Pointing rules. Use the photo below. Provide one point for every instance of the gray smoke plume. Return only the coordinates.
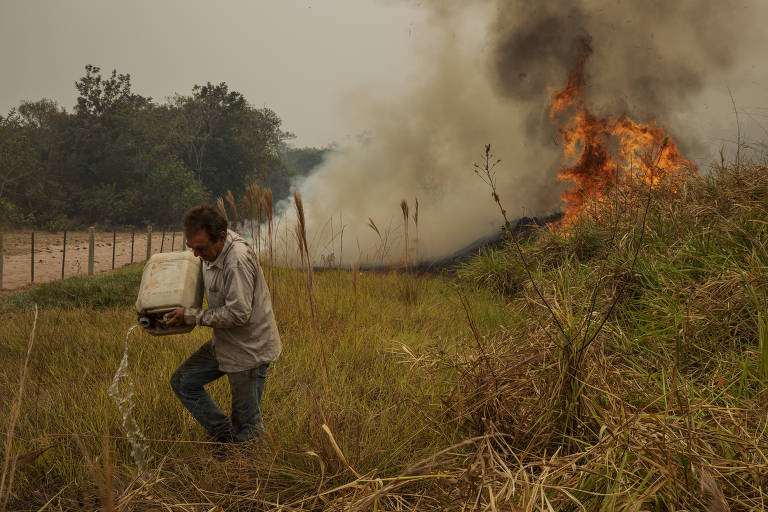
(649, 60)
(489, 71)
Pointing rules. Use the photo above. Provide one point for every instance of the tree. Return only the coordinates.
(119, 158)
(99, 96)
(169, 191)
(224, 140)
(19, 165)
(196, 120)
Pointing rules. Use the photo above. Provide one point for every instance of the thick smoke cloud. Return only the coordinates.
(650, 57)
(489, 71)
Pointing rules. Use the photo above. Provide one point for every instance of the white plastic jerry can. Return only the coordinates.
(170, 280)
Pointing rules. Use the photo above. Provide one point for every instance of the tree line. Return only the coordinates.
(122, 159)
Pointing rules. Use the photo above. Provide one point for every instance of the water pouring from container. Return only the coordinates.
(169, 281)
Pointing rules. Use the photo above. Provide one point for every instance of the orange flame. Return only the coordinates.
(587, 140)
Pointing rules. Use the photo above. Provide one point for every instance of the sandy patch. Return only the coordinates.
(17, 257)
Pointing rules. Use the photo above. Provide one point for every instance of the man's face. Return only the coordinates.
(202, 247)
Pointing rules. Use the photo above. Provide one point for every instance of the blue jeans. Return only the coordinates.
(246, 386)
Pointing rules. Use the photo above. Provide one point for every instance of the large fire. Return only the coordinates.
(601, 147)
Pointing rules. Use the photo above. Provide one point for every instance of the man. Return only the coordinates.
(245, 338)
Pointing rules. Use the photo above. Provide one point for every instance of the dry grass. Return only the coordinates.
(454, 402)
(301, 232)
(259, 210)
(668, 412)
(381, 253)
(233, 205)
(10, 460)
(222, 208)
(380, 409)
(267, 201)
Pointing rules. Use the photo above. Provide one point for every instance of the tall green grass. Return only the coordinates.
(382, 410)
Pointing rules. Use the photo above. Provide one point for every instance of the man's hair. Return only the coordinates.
(205, 217)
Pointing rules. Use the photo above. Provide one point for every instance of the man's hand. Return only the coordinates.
(174, 318)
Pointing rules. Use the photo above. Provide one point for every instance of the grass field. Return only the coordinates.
(632, 376)
(382, 411)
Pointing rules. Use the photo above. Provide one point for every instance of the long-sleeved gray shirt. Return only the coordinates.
(239, 309)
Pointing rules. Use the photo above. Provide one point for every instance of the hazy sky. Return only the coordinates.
(302, 58)
(420, 77)
(297, 57)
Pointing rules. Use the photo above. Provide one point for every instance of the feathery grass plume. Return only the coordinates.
(222, 208)
(233, 205)
(301, 229)
(373, 226)
(255, 192)
(299, 243)
(416, 224)
(375, 229)
(249, 201)
(383, 250)
(251, 213)
(301, 221)
(267, 202)
(404, 208)
(269, 209)
(259, 214)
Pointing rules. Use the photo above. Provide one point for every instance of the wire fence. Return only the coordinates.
(35, 257)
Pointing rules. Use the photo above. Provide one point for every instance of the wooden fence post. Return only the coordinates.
(32, 260)
(1, 260)
(149, 241)
(114, 243)
(91, 248)
(133, 234)
(63, 254)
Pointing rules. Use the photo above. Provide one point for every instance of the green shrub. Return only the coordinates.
(495, 270)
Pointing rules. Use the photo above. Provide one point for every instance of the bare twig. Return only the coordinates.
(488, 175)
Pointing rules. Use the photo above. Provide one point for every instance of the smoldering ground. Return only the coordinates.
(488, 72)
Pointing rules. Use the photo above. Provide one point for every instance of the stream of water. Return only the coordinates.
(121, 392)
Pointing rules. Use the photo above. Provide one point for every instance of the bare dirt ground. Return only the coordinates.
(17, 258)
